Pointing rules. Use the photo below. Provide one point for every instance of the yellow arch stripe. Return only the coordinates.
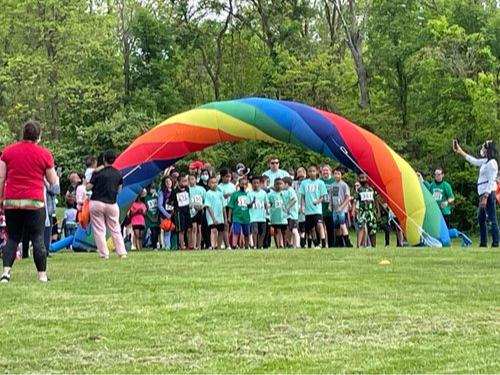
(215, 119)
(414, 199)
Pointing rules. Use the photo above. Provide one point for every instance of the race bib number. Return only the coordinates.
(168, 207)
(152, 204)
(438, 195)
(366, 196)
(197, 200)
(279, 203)
(258, 205)
(183, 199)
(313, 188)
(242, 201)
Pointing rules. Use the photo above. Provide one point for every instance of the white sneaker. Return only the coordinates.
(5, 278)
(44, 279)
(124, 256)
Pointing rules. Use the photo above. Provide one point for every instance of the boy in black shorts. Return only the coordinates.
(179, 199)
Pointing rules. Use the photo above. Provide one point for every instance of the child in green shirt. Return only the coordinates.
(238, 211)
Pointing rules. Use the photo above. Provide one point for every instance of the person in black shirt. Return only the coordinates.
(104, 212)
(180, 200)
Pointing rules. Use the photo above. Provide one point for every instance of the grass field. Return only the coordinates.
(288, 311)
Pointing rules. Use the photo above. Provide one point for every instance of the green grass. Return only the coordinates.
(288, 311)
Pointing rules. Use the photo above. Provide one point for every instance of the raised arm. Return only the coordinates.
(470, 159)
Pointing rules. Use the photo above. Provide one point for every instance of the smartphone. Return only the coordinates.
(59, 172)
(455, 144)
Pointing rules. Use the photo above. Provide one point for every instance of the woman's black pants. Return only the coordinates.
(31, 222)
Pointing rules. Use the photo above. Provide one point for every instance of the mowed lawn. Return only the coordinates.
(276, 311)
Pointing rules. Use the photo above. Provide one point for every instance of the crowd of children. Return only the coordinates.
(209, 210)
(206, 210)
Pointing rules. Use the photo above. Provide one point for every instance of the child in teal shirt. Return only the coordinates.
(216, 215)
(278, 215)
(312, 192)
(291, 205)
(258, 203)
(197, 196)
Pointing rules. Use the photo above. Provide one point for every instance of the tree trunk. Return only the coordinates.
(355, 37)
(362, 74)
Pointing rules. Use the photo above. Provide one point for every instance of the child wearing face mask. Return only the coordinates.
(204, 177)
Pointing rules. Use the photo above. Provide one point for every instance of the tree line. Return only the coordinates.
(98, 73)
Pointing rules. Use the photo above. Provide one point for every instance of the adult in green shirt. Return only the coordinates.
(312, 192)
(152, 214)
(239, 212)
(327, 178)
(277, 213)
(442, 194)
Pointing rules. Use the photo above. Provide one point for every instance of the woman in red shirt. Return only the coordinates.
(23, 167)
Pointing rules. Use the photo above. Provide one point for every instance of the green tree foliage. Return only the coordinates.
(98, 73)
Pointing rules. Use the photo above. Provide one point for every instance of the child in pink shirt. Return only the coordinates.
(137, 214)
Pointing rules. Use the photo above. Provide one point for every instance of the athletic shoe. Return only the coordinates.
(5, 278)
(317, 248)
(44, 279)
(124, 256)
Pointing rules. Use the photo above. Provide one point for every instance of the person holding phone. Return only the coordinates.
(486, 188)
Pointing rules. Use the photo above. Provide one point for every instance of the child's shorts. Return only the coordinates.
(198, 218)
(237, 228)
(312, 221)
(280, 227)
(182, 221)
(259, 228)
(339, 219)
(219, 227)
(293, 224)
